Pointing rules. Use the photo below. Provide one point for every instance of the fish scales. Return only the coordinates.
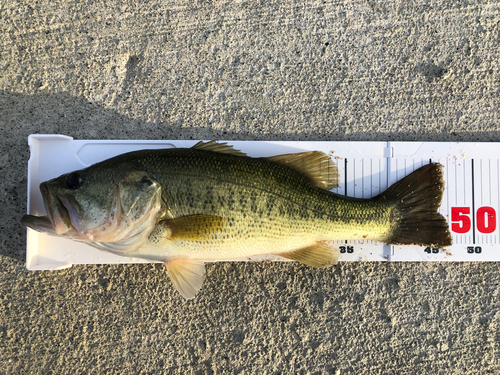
(263, 202)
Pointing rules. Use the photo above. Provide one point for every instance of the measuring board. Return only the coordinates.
(470, 203)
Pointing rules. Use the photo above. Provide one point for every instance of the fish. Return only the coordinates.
(187, 206)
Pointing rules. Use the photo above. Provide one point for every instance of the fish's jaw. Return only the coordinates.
(41, 224)
(56, 210)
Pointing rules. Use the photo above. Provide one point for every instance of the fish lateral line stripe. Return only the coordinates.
(297, 203)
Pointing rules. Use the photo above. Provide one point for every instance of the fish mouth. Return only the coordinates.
(38, 223)
(58, 219)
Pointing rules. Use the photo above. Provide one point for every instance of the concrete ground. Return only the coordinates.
(243, 70)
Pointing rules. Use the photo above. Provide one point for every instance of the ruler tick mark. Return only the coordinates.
(345, 177)
(473, 205)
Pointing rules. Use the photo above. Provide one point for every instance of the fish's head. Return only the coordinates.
(99, 204)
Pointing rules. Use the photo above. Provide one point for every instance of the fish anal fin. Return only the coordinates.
(187, 275)
(315, 164)
(317, 255)
(193, 227)
(222, 148)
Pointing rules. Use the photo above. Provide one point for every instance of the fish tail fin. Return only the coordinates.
(417, 198)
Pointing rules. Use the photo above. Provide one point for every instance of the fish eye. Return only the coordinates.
(146, 181)
(74, 180)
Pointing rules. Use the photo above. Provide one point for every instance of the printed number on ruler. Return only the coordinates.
(431, 250)
(346, 249)
(486, 221)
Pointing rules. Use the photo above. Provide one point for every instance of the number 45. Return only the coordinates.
(486, 219)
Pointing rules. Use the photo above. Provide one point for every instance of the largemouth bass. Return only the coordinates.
(211, 202)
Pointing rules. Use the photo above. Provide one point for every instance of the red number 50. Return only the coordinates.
(486, 219)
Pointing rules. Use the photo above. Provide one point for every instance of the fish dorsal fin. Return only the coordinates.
(317, 255)
(187, 275)
(315, 164)
(222, 148)
(192, 227)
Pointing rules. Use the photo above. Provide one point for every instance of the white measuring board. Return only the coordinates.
(471, 198)
(366, 169)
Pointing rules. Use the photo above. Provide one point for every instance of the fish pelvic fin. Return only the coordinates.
(318, 255)
(417, 198)
(187, 275)
(316, 165)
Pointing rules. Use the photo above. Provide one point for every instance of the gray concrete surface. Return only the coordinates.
(243, 70)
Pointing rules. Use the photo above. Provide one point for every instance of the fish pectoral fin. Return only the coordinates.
(193, 227)
(317, 165)
(318, 255)
(222, 148)
(187, 275)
